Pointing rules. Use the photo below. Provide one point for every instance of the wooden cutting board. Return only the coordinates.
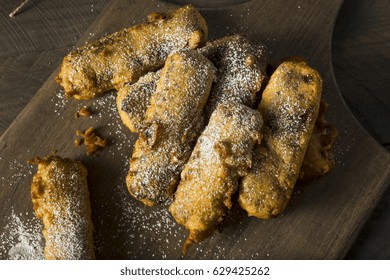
(323, 217)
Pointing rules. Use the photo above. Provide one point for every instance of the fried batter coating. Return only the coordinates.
(289, 106)
(134, 99)
(173, 122)
(223, 154)
(61, 200)
(124, 56)
(91, 141)
(319, 158)
(240, 73)
(241, 67)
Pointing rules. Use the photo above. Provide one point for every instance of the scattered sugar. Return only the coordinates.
(241, 70)
(232, 128)
(60, 101)
(21, 238)
(18, 171)
(173, 122)
(140, 224)
(148, 226)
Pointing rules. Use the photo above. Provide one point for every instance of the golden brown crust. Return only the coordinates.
(173, 122)
(124, 56)
(241, 67)
(134, 99)
(61, 200)
(240, 73)
(289, 106)
(223, 154)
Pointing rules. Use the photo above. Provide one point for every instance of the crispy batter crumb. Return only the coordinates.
(84, 112)
(92, 141)
(155, 16)
(78, 142)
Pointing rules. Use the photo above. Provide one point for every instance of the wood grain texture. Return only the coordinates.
(17, 86)
(59, 18)
(323, 218)
(32, 45)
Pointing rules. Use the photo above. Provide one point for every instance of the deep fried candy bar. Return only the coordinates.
(173, 122)
(240, 73)
(124, 56)
(61, 200)
(223, 154)
(289, 107)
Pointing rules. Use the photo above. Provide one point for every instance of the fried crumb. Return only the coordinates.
(92, 141)
(84, 112)
(155, 16)
(78, 142)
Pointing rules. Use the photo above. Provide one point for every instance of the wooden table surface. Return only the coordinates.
(34, 41)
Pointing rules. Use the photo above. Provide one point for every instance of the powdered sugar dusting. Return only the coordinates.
(21, 238)
(222, 155)
(241, 70)
(61, 200)
(126, 55)
(173, 122)
(289, 105)
(134, 100)
(60, 102)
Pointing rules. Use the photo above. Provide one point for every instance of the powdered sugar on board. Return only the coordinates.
(123, 227)
(21, 234)
(21, 238)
